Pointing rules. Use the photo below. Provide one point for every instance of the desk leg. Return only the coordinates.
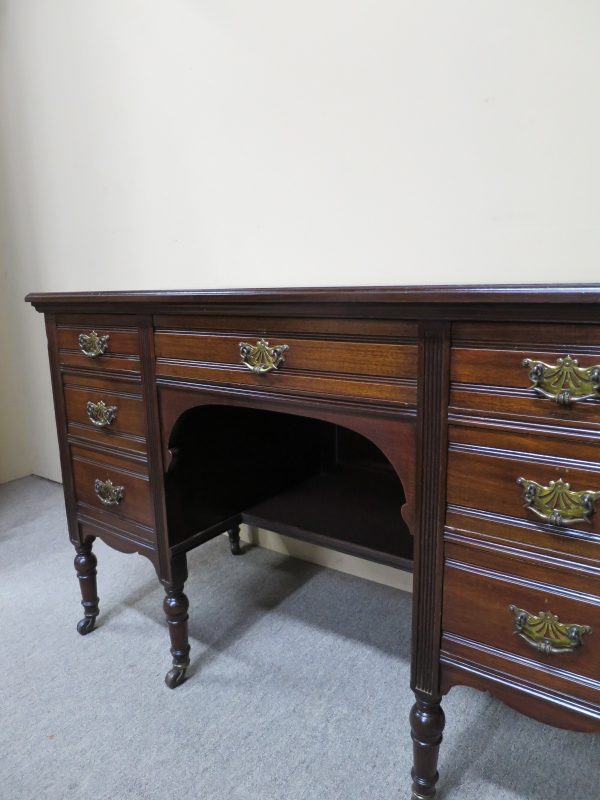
(234, 540)
(176, 607)
(85, 566)
(427, 723)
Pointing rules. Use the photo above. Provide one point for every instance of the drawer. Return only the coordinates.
(313, 327)
(130, 497)
(488, 374)
(384, 371)
(532, 540)
(107, 412)
(516, 619)
(484, 466)
(111, 343)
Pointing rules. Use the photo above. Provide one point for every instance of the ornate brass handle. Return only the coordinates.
(261, 358)
(92, 344)
(545, 633)
(557, 503)
(565, 382)
(100, 414)
(108, 493)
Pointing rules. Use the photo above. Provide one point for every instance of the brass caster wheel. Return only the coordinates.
(176, 675)
(86, 625)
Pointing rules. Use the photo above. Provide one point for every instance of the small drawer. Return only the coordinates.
(551, 482)
(105, 411)
(538, 624)
(547, 372)
(384, 371)
(104, 344)
(112, 484)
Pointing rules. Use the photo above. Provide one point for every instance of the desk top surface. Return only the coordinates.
(468, 294)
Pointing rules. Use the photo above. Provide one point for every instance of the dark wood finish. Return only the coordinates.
(89, 465)
(120, 343)
(489, 378)
(125, 536)
(398, 413)
(488, 481)
(336, 328)
(305, 355)
(176, 606)
(392, 434)
(427, 718)
(123, 351)
(495, 294)
(351, 509)
(85, 566)
(328, 386)
(563, 710)
(130, 414)
(490, 624)
(427, 725)
(527, 538)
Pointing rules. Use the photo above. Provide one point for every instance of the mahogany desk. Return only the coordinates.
(453, 430)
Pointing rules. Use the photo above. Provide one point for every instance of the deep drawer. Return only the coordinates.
(129, 480)
(519, 619)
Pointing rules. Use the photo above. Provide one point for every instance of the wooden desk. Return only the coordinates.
(443, 428)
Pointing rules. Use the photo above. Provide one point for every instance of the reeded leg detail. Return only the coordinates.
(85, 565)
(234, 540)
(176, 607)
(427, 724)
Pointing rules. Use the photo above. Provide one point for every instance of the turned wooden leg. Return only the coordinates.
(234, 540)
(176, 607)
(427, 723)
(85, 565)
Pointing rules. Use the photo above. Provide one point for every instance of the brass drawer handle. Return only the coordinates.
(92, 344)
(557, 503)
(107, 493)
(546, 634)
(565, 382)
(261, 358)
(100, 414)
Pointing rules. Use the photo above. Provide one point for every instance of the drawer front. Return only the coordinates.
(364, 370)
(108, 413)
(528, 622)
(105, 344)
(128, 494)
(492, 366)
(314, 327)
(524, 477)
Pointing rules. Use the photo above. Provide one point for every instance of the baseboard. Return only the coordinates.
(379, 573)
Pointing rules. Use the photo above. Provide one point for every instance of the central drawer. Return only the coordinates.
(347, 365)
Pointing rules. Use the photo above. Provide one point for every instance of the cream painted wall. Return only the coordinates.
(15, 452)
(203, 143)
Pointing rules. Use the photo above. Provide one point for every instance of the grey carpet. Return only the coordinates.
(298, 688)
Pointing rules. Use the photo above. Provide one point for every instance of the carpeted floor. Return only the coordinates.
(298, 687)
